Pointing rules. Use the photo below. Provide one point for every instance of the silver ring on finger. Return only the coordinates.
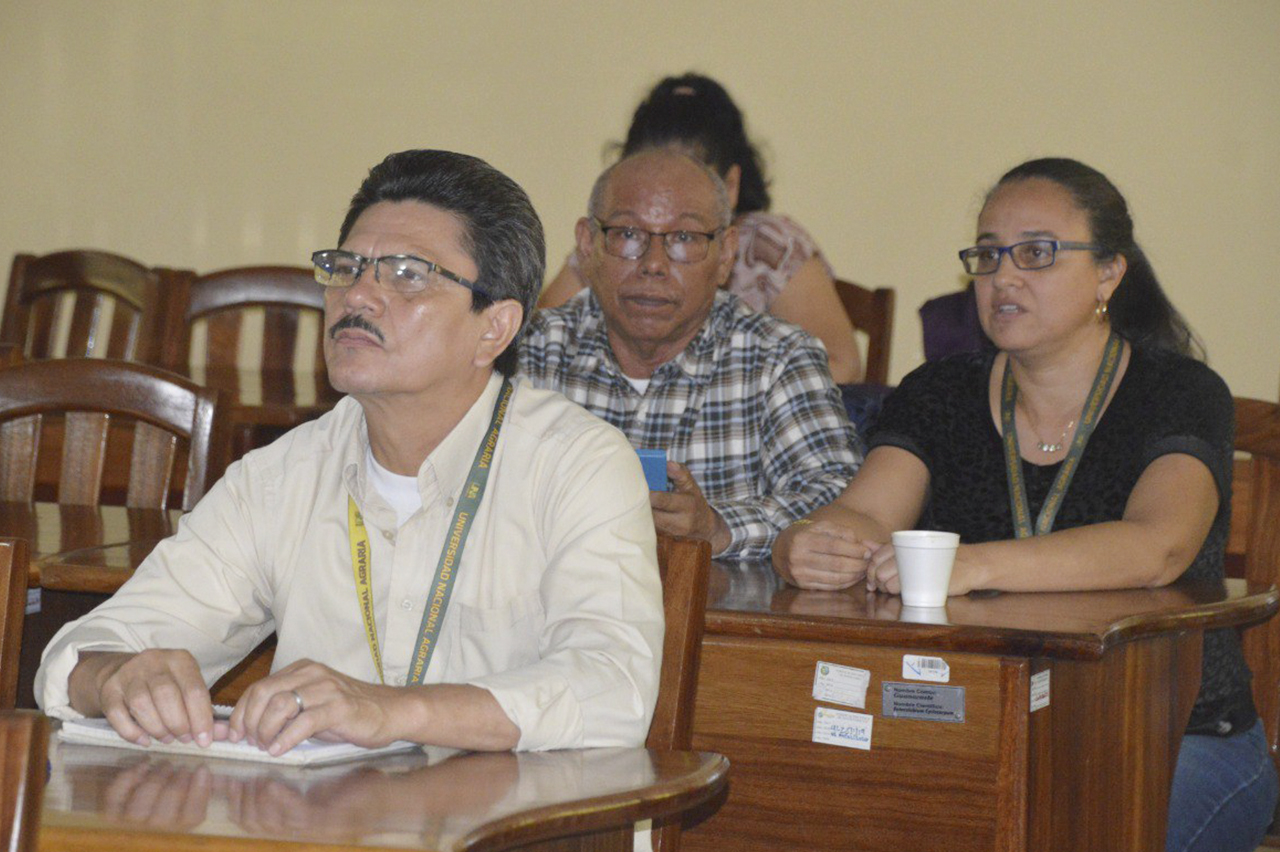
(297, 698)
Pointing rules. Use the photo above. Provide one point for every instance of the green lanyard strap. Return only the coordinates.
(450, 554)
(1089, 416)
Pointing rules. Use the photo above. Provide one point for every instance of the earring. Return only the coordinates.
(1100, 311)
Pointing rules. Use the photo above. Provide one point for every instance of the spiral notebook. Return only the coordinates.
(310, 752)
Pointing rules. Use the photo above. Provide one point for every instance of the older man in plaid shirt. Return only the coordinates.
(755, 432)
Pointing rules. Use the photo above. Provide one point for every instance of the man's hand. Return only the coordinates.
(821, 555)
(307, 699)
(156, 694)
(685, 512)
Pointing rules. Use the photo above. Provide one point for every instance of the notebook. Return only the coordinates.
(310, 752)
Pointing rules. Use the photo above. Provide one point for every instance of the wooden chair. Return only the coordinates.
(256, 323)
(24, 740)
(218, 305)
(871, 312)
(685, 565)
(1253, 546)
(13, 603)
(84, 303)
(89, 396)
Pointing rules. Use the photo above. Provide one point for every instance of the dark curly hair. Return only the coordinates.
(696, 112)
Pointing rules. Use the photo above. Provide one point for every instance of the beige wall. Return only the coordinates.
(207, 133)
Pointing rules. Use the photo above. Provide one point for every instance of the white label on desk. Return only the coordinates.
(842, 728)
(915, 667)
(840, 684)
(1039, 690)
(33, 601)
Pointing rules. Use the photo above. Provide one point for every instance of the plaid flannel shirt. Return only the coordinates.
(748, 407)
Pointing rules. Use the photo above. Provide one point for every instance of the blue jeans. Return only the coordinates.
(1224, 793)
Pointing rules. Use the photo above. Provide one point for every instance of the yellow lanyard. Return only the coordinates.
(450, 554)
(1013, 458)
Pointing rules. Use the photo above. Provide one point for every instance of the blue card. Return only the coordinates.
(654, 463)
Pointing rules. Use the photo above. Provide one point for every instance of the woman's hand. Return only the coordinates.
(882, 572)
(821, 555)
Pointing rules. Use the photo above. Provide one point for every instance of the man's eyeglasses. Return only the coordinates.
(1030, 254)
(681, 246)
(403, 273)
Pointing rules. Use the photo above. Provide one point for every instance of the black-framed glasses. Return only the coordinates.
(631, 243)
(404, 273)
(1029, 254)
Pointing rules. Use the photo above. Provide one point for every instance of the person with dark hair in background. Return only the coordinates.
(447, 557)
(778, 268)
(1090, 448)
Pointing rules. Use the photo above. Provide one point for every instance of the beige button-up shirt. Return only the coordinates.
(557, 605)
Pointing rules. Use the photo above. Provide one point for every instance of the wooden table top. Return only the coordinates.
(751, 600)
(105, 798)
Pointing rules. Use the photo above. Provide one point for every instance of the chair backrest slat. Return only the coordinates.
(84, 455)
(19, 448)
(871, 312)
(155, 454)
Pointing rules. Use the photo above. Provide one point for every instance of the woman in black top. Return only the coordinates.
(1092, 366)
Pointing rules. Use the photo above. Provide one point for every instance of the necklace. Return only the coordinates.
(1057, 445)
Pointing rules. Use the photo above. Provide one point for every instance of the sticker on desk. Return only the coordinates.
(840, 684)
(921, 701)
(33, 601)
(915, 667)
(842, 728)
(1039, 690)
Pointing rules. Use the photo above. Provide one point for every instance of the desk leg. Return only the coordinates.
(1102, 754)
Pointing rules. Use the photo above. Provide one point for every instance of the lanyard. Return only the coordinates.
(450, 554)
(1013, 458)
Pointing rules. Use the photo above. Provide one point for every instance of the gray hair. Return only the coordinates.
(724, 212)
(501, 231)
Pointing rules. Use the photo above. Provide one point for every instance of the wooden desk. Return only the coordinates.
(1090, 771)
(107, 799)
(79, 555)
(85, 548)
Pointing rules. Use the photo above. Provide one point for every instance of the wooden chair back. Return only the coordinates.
(24, 741)
(85, 304)
(685, 566)
(1253, 546)
(265, 317)
(871, 312)
(89, 397)
(13, 608)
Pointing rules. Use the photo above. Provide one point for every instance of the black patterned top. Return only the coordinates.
(1165, 403)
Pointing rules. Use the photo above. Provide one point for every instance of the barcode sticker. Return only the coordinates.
(933, 669)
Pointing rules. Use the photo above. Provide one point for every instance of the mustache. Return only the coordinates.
(358, 322)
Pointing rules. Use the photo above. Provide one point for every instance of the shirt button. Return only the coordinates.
(407, 603)
(448, 501)
(389, 536)
(402, 680)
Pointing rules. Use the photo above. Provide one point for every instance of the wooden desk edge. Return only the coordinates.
(615, 811)
(1255, 607)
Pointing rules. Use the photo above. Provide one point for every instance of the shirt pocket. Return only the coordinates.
(501, 637)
